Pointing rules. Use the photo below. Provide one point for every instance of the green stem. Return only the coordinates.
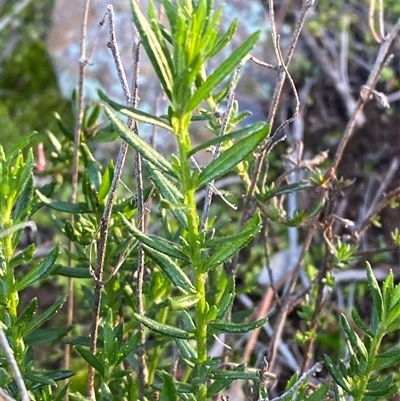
(376, 341)
(182, 123)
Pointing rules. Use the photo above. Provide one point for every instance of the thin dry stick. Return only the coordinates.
(132, 98)
(394, 165)
(379, 207)
(17, 8)
(140, 223)
(371, 21)
(326, 266)
(381, 20)
(305, 376)
(261, 312)
(9, 354)
(105, 219)
(370, 85)
(281, 319)
(75, 163)
(4, 396)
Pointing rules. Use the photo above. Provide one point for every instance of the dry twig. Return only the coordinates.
(9, 354)
(83, 62)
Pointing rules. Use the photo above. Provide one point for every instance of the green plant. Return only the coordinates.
(362, 376)
(22, 329)
(179, 56)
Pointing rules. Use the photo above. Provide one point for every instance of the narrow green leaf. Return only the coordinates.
(159, 244)
(223, 71)
(105, 392)
(72, 208)
(136, 114)
(186, 350)
(374, 321)
(17, 227)
(218, 385)
(140, 145)
(375, 292)
(78, 397)
(108, 337)
(171, 13)
(359, 322)
(91, 359)
(377, 388)
(188, 322)
(222, 379)
(94, 116)
(91, 166)
(253, 225)
(387, 359)
(153, 49)
(226, 302)
(68, 132)
(233, 156)
(287, 189)
(246, 131)
(393, 326)
(20, 144)
(77, 272)
(24, 202)
(183, 302)
(22, 257)
(168, 391)
(106, 181)
(60, 396)
(354, 339)
(218, 326)
(164, 329)
(83, 341)
(230, 245)
(337, 375)
(169, 192)
(40, 271)
(160, 32)
(89, 191)
(46, 335)
(319, 394)
(235, 375)
(26, 174)
(224, 39)
(185, 80)
(26, 316)
(171, 269)
(128, 347)
(37, 380)
(394, 296)
(46, 315)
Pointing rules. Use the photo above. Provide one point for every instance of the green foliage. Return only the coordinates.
(22, 330)
(361, 377)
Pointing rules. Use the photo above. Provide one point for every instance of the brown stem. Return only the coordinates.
(75, 163)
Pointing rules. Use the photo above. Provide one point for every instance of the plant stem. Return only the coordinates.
(375, 343)
(200, 277)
